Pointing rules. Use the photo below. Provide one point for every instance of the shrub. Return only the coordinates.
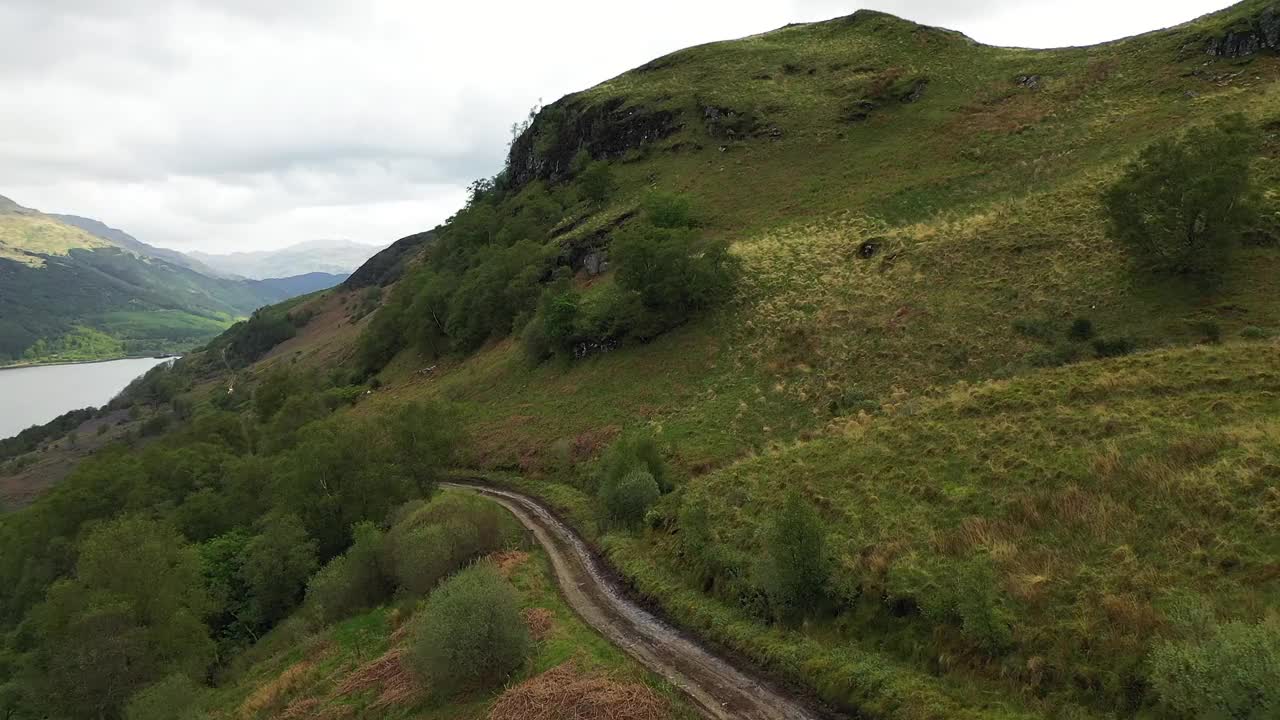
(626, 500)
(960, 593)
(795, 568)
(1222, 671)
(1113, 347)
(1183, 204)
(423, 556)
(436, 540)
(1056, 356)
(1254, 333)
(1042, 329)
(636, 449)
(673, 272)
(470, 635)
(596, 183)
(1081, 330)
(698, 543)
(353, 581)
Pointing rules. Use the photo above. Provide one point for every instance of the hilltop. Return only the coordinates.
(1042, 477)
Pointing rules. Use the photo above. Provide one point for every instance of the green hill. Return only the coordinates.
(83, 291)
(921, 351)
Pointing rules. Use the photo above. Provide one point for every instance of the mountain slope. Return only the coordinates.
(1017, 524)
(336, 257)
(70, 294)
(124, 240)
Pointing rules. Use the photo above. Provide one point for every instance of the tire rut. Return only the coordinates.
(719, 688)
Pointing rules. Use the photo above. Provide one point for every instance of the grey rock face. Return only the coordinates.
(1259, 34)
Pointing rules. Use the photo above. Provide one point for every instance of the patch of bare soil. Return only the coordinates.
(564, 693)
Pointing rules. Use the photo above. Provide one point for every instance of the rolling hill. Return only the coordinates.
(1045, 483)
(74, 289)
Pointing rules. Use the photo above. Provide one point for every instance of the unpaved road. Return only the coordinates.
(716, 686)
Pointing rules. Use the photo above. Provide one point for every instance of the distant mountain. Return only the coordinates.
(126, 241)
(298, 284)
(72, 288)
(326, 256)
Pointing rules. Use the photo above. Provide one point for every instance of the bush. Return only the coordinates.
(636, 449)
(795, 567)
(959, 593)
(673, 272)
(354, 581)
(470, 635)
(1182, 205)
(436, 540)
(1254, 333)
(1222, 671)
(1081, 330)
(1113, 347)
(628, 499)
(697, 542)
(1056, 356)
(1036, 329)
(596, 183)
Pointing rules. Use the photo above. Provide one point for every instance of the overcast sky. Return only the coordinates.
(225, 125)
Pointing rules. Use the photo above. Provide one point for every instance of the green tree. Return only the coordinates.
(470, 635)
(795, 567)
(424, 437)
(1182, 205)
(674, 272)
(277, 563)
(131, 614)
(596, 183)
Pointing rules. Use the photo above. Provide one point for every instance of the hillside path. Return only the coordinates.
(717, 687)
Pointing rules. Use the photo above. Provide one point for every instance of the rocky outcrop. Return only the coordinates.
(606, 130)
(1258, 34)
(387, 266)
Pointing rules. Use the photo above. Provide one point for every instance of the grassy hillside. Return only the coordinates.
(922, 346)
(69, 294)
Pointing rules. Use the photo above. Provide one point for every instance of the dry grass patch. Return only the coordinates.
(564, 693)
(540, 622)
(276, 694)
(387, 675)
(510, 561)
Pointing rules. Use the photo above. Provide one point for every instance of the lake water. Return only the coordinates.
(36, 395)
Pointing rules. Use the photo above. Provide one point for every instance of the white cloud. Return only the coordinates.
(227, 125)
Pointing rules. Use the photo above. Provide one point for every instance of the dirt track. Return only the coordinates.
(715, 685)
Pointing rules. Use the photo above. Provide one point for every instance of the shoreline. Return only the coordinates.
(28, 366)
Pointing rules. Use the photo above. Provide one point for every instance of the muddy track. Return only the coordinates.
(715, 684)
